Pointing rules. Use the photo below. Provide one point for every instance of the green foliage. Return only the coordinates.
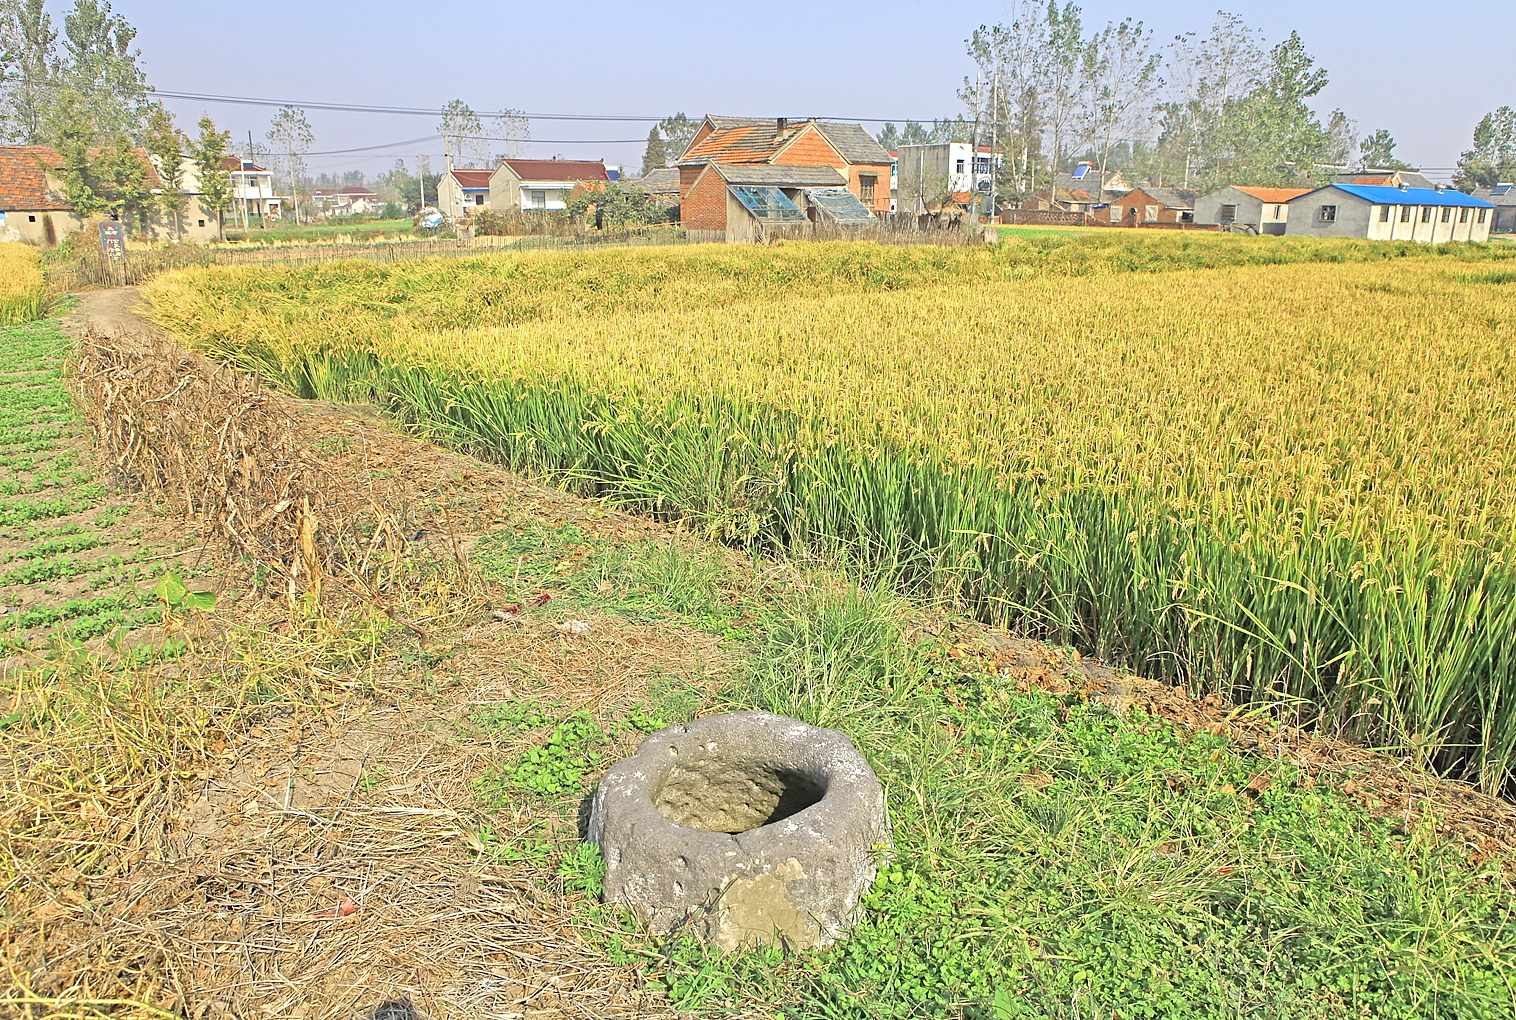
(166, 144)
(170, 590)
(99, 66)
(1377, 151)
(99, 174)
(209, 151)
(28, 46)
(1492, 160)
(1054, 859)
(655, 154)
(583, 870)
(615, 204)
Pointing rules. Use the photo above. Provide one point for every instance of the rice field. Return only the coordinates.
(22, 288)
(1281, 470)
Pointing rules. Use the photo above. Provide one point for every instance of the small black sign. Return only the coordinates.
(113, 240)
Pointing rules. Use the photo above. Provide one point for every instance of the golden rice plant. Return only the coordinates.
(1287, 482)
(23, 293)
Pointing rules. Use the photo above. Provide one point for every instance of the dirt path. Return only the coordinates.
(108, 311)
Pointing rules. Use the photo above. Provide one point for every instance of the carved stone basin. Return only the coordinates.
(743, 828)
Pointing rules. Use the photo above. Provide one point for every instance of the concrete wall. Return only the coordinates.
(505, 189)
(925, 174)
(44, 228)
(1251, 210)
(1356, 217)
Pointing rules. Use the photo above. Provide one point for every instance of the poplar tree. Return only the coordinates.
(209, 152)
(28, 65)
(165, 143)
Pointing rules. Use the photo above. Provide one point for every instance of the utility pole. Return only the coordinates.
(994, 136)
(421, 181)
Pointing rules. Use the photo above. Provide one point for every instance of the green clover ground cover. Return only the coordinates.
(70, 558)
(1051, 858)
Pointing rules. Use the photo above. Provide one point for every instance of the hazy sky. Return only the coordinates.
(1426, 71)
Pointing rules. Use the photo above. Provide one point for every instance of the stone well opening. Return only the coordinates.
(719, 795)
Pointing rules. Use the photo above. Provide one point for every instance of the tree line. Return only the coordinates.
(83, 92)
(1200, 111)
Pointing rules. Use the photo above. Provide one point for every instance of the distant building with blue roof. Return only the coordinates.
(1429, 215)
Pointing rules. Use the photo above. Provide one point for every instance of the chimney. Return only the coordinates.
(783, 123)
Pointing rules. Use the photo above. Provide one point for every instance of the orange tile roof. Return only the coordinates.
(749, 143)
(1280, 195)
(23, 182)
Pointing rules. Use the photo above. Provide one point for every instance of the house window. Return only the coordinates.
(1115, 214)
(866, 184)
(1150, 214)
(1481, 215)
(1405, 214)
(1463, 215)
(1277, 209)
(1384, 214)
(31, 219)
(1426, 214)
(536, 199)
(200, 222)
(1228, 214)
(959, 165)
(1327, 214)
(1447, 215)
(478, 199)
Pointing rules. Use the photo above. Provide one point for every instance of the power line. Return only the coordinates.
(413, 111)
(409, 111)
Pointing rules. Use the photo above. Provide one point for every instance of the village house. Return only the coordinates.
(461, 192)
(1082, 191)
(748, 202)
(846, 148)
(252, 190)
(928, 173)
(1150, 204)
(1503, 198)
(538, 184)
(1430, 215)
(33, 208)
(1389, 178)
(661, 184)
(1241, 207)
(349, 200)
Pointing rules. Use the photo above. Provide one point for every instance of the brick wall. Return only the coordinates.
(881, 174)
(704, 206)
(688, 176)
(1138, 200)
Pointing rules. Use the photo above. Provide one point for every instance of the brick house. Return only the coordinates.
(751, 202)
(33, 208)
(846, 148)
(1152, 205)
(538, 184)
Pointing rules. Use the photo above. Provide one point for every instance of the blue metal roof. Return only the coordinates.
(1403, 196)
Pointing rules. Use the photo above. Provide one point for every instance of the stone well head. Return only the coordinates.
(743, 828)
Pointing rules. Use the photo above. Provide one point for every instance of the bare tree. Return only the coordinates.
(1121, 71)
(292, 139)
(462, 134)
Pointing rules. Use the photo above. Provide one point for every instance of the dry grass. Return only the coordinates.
(284, 819)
